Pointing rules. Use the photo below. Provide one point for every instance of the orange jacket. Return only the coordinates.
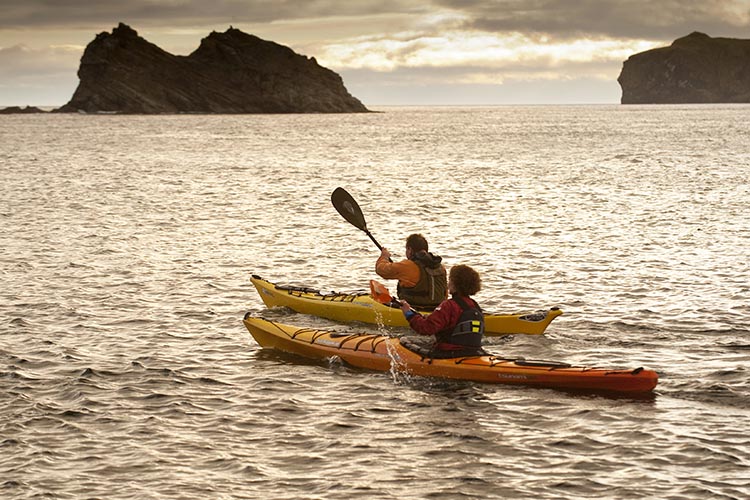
(406, 271)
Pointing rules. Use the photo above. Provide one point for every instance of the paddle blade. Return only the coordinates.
(348, 208)
(380, 292)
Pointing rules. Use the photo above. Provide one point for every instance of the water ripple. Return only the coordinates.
(125, 371)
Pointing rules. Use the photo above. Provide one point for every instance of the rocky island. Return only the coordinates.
(17, 110)
(694, 69)
(230, 72)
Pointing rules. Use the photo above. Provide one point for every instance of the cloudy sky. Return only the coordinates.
(389, 52)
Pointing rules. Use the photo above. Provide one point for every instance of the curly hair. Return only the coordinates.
(465, 280)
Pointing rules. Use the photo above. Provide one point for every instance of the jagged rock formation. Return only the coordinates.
(694, 69)
(17, 110)
(230, 72)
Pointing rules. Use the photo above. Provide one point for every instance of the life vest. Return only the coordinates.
(469, 330)
(432, 287)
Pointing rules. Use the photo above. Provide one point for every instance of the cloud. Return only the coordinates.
(20, 62)
(409, 86)
(626, 19)
(493, 52)
(38, 76)
(80, 13)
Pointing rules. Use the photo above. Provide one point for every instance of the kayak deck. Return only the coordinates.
(382, 353)
(360, 306)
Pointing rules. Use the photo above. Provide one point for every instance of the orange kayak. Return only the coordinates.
(383, 353)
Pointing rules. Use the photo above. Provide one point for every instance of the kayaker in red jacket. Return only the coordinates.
(421, 276)
(457, 323)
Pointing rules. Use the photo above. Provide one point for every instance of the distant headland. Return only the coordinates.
(17, 110)
(694, 69)
(229, 73)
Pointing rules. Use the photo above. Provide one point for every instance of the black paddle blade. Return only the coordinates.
(348, 208)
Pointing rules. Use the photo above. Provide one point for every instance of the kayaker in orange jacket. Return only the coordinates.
(458, 323)
(421, 276)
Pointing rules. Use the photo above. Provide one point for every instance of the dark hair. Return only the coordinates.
(465, 280)
(417, 243)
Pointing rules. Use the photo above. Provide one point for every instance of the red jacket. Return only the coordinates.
(444, 317)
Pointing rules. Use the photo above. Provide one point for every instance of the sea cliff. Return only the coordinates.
(694, 69)
(230, 72)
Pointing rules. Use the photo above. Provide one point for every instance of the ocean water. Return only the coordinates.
(128, 243)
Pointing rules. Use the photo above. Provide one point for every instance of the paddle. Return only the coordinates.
(380, 293)
(349, 210)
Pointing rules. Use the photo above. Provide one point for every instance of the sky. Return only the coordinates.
(388, 52)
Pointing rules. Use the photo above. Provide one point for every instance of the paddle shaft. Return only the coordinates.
(373, 239)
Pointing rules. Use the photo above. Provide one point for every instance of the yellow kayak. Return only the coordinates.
(348, 307)
(383, 353)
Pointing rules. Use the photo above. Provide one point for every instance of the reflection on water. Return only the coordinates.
(128, 242)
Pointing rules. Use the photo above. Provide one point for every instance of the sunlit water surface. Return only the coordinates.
(128, 241)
